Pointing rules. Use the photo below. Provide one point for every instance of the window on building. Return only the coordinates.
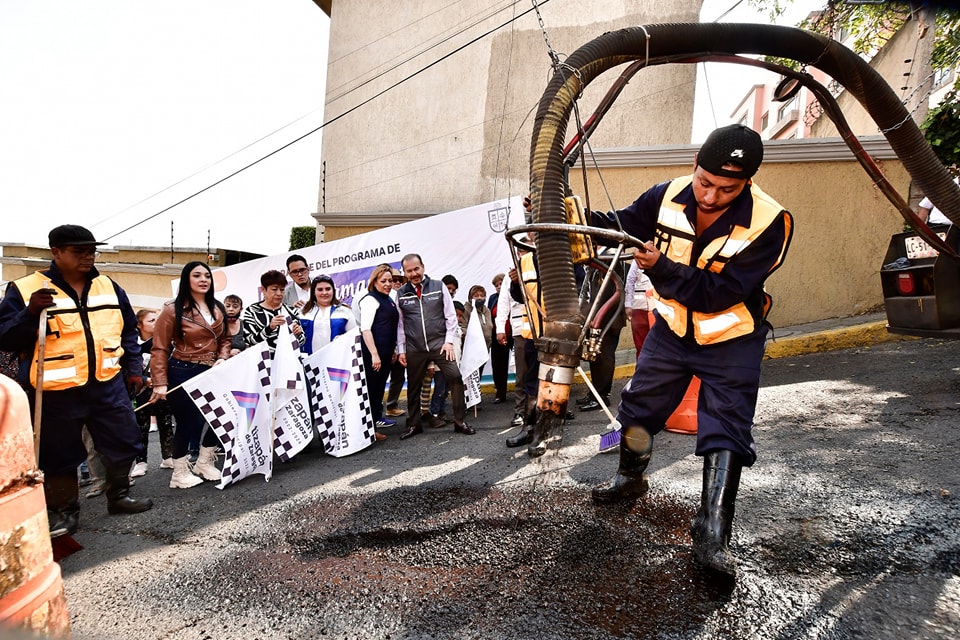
(765, 121)
(942, 76)
(785, 110)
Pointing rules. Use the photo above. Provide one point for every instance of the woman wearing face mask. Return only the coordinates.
(261, 320)
(234, 306)
(477, 298)
(189, 337)
(323, 318)
(379, 318)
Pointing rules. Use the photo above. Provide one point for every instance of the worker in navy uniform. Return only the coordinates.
(714, 238)
(91, 366)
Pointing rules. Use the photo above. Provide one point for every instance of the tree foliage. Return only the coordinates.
(301, 237)
(871, 25)
(942, 128)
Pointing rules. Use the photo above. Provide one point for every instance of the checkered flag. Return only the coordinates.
(232, 398)
(290, 404)
(339, 396)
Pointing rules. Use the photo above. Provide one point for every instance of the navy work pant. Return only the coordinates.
(729, 375)
(106, 410)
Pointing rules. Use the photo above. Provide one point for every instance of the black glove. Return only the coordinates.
(39, 300)
(134, 385)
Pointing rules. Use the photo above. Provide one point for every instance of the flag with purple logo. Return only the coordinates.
(234, 398)
(339, 396)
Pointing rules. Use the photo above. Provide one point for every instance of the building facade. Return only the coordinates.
(430, 105)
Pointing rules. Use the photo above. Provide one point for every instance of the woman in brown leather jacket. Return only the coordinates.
(190, 336)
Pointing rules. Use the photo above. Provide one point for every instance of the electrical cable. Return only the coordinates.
(334, 96)
(328, 122)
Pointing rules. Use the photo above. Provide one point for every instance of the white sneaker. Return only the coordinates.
(139, 469)
(167, 463)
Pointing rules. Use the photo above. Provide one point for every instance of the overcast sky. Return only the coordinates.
(105, 103)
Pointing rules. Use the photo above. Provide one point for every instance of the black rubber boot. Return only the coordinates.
(118, 491)
(711, 527)
(63, 508)
(629, 483)
(526, 436)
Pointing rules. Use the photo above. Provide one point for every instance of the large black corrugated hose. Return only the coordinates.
(547, 187)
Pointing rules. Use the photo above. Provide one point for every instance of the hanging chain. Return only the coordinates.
(906, 101)
(546, 38)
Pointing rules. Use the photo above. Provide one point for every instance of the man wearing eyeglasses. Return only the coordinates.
(297, 292)
(91, 365)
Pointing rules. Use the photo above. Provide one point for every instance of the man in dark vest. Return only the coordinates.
(716, 239)
(428, 327)
(91, 366)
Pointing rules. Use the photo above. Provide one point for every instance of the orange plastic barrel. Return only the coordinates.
(31, 589)
(684, 418)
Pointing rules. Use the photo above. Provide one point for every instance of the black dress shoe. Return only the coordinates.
(497, 400)
(525, 437)
(593, 405)
(464, 428)
(570, 415)
(582, 400)
(411, 431)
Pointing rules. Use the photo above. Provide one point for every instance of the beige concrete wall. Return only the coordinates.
(337, 233)
(459, 133)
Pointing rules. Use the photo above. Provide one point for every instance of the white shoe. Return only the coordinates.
(182, 477)
(167, 463)
(139, 469)
(206, 464)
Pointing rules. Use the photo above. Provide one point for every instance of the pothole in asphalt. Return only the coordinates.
(457, 562)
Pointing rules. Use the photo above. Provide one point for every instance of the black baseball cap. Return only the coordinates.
(71, 235)
(736, 144)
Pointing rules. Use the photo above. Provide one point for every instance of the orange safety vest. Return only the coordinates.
(675, 239)
(531, 289)
(75, 333)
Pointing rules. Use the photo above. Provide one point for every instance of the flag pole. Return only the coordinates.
(38, 401)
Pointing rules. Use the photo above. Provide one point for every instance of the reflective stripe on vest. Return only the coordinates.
(675, 237)
(66, 356)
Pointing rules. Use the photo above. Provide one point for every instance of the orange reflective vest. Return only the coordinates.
(675, 239)
(75, 335)
(531, 289)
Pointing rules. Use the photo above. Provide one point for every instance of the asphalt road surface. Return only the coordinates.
(847, 527)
